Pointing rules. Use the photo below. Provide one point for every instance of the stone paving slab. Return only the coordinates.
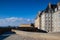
(20, 37)
(43, 36)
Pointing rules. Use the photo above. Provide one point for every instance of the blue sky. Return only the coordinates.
(22, 9)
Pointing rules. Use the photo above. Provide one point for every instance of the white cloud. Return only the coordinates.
(14, 21)
(28, 20)
(11, 19)
(20, 18)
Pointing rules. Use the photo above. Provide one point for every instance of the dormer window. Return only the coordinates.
(59, 7)
(58, 4)
(55, 9)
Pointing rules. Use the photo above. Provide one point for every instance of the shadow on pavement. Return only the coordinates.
(6, 34)
(31, 29)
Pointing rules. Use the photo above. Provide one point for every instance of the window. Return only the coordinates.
(46, 17)
(46, 14)
(49, 24)
(59, 14)
(59, 7)
(49, 17)
(55, 9)
(52, 17)
(46, 24)
(49, 20)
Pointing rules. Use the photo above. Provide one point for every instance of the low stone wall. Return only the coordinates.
(2, 30)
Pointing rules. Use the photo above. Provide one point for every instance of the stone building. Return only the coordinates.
(37, 21)
(25, 25)
(49, 19)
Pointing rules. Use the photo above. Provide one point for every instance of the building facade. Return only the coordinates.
(49, 19)
(25, 25)
(37, 21)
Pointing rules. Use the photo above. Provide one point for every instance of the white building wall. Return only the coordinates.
(48, 22)
(43, 21)
(56, 21)
(37, 23)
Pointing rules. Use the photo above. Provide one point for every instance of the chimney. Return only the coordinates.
(49, 5)
(39, 13)
(58, 5)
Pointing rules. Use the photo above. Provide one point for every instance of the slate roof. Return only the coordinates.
(53, 6)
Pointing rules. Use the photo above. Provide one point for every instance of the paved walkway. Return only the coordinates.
(42, 36)
(34, 36)
(12, 36)
(19, 37)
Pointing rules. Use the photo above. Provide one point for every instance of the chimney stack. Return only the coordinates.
(49, 5)
(58, 5)
(39, 13)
